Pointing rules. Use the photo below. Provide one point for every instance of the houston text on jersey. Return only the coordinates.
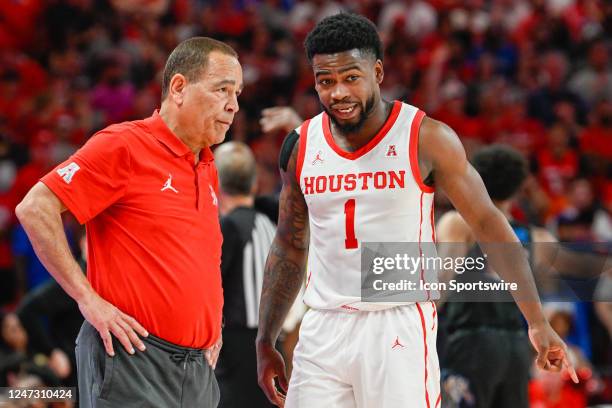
(349, 182)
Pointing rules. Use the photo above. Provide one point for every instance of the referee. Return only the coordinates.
(247, 236)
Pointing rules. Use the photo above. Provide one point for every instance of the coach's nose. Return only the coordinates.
(232, 104)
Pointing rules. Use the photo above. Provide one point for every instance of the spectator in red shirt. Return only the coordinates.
(41, 155)
(147, 191)
(557, 162)
(517, 129)
(596, 139)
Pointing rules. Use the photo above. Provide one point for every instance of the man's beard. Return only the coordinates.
(350, 128)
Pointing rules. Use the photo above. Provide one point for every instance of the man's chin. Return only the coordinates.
(218, 139)
(348, 126)
(345, 122)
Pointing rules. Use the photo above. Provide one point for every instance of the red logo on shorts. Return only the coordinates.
(397, 343)
(391, 151)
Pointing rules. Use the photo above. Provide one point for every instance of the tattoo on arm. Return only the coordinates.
(284, 270)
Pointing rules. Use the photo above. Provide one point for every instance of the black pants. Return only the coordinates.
(495, 362)
(163, 376)
(237, 371)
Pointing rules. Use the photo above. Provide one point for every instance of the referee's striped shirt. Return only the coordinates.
(247, 237)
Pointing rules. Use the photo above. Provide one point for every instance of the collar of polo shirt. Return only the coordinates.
(162, 132)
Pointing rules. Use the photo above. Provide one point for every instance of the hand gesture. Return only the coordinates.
(552, 351)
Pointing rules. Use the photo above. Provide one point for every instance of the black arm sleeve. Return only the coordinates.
(286, 149)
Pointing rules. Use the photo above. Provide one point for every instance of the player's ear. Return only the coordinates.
(379, 72)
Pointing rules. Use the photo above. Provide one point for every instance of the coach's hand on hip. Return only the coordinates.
(107, 319)
(212, 354)
(552, 351)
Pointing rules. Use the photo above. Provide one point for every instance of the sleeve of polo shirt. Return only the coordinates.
(95, 177)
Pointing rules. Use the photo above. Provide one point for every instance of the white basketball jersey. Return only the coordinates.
(374, 194)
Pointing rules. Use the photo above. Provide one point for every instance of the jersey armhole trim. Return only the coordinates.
(414, 152)
(301, 150)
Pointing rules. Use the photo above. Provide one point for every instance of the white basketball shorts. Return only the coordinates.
(380, 359)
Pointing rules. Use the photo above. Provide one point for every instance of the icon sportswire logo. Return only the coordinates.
(68, 172)
(168, 185)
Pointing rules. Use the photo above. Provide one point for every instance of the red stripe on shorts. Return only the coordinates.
(425, 345)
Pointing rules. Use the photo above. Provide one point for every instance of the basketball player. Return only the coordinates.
(350, 175)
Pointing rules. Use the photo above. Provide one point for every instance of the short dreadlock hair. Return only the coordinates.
(343, 32)
(503, 170)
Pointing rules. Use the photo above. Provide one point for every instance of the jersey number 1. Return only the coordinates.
(349, 217)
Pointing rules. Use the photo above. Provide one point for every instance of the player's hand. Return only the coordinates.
(282, 118)
(107, 319)
(212, 354)
(270, 366)
(552, 351)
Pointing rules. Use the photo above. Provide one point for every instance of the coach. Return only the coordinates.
(146, 190)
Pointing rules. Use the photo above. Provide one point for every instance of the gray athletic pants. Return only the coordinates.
(163, 376)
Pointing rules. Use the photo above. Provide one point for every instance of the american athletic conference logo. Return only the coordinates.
(68, 172)
(391, 151)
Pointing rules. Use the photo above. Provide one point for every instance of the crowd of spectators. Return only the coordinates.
(535, 74)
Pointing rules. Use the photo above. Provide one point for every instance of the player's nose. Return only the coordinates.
(339, 92)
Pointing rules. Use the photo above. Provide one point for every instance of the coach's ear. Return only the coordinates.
(379, 72)
(178, 83)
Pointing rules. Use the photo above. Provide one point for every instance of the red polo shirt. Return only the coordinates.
(153, 235)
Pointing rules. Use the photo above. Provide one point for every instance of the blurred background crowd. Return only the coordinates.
(535, 74)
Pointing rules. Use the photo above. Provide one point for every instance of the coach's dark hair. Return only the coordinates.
(343, 32)
(503, 170)
(190, 58)
(237, 169)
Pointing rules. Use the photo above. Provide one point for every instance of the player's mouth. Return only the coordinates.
(345, 111)
(225, 123)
